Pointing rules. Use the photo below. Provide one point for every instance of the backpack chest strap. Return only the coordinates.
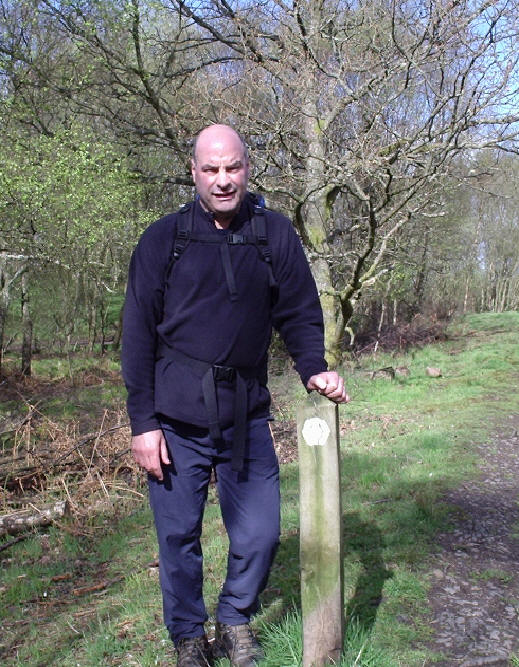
(185, 234)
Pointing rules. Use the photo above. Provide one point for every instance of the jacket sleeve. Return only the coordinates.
(142, 313)
(297, 313)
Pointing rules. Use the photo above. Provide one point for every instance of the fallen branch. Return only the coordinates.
(84, 590)
(45, 464)
(16, 424)
(24, 519)
(5, 546)
(84, 441)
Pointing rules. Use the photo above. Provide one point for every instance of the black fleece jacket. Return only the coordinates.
(194, 314)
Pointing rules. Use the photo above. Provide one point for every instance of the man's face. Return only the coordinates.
(220, 171)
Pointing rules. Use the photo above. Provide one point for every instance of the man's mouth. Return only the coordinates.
(224, 195)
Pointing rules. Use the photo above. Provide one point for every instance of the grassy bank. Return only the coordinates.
(86, 592)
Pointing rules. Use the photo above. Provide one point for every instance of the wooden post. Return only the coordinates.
(322, 590)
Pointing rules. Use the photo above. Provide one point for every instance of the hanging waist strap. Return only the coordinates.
(210, 374)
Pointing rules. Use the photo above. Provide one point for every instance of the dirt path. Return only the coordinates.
(475, 574)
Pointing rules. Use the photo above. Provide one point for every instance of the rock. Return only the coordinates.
(387, 373)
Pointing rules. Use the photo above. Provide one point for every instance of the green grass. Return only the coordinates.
(66, 391)
(65, 366)
(493, 573)
(404, 443)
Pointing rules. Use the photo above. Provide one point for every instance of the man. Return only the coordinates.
(205, 287)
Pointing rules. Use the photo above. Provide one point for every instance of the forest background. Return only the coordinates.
(387, 132)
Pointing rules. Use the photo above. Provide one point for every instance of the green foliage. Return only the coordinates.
(70, 214)
(65, 195)
(492, 573)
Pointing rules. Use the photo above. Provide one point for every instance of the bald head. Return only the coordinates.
(218, 132)
(220, 169)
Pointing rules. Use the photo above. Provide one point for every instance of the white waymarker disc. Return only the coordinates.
(315, 432)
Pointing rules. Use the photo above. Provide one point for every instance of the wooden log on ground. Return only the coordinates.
(322, 588)
(17, 522)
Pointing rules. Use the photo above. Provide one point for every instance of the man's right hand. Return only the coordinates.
(150, 450)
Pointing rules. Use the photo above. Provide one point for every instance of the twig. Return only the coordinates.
(5, 546)
(98, 437)
(88, 438)
(67, 492)
(73, 628)
(84, 590)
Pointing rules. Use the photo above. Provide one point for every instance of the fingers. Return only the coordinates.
(164, 453)
(331, 385)
(150, 451)
(335, 390)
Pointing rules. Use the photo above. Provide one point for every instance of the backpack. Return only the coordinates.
(210, 374)
(258, 238)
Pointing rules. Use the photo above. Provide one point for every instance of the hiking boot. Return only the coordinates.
(193, 652)
(239, 644)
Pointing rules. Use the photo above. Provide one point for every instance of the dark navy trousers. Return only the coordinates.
(250, 506)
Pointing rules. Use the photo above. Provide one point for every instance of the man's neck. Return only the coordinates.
(222, 223)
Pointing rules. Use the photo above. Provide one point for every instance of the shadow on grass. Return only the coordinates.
(366, 540)
(284, 579)
(360, 538)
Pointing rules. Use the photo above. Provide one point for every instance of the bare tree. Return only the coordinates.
(356, 111)
(490, 206)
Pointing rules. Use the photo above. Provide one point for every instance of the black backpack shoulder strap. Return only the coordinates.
(183, 234)
(259, 229)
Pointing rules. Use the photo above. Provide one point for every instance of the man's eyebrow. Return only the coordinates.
(232, 165)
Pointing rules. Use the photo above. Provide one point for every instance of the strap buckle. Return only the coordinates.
(236, 239)
(226, 373)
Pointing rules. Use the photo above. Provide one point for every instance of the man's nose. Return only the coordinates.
(223, 178)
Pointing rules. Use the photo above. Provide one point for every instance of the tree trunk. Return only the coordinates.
(92, 319)
(333, 330)
(118, 331)
(503, 300)
(466, 295)
(3, 317)
(421, 277)
(316, 219)
(27, 327)
(7, 280)
(380, 323)
(103, 316)
(4, 304)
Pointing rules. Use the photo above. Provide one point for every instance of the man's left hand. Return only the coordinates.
(329, 384)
